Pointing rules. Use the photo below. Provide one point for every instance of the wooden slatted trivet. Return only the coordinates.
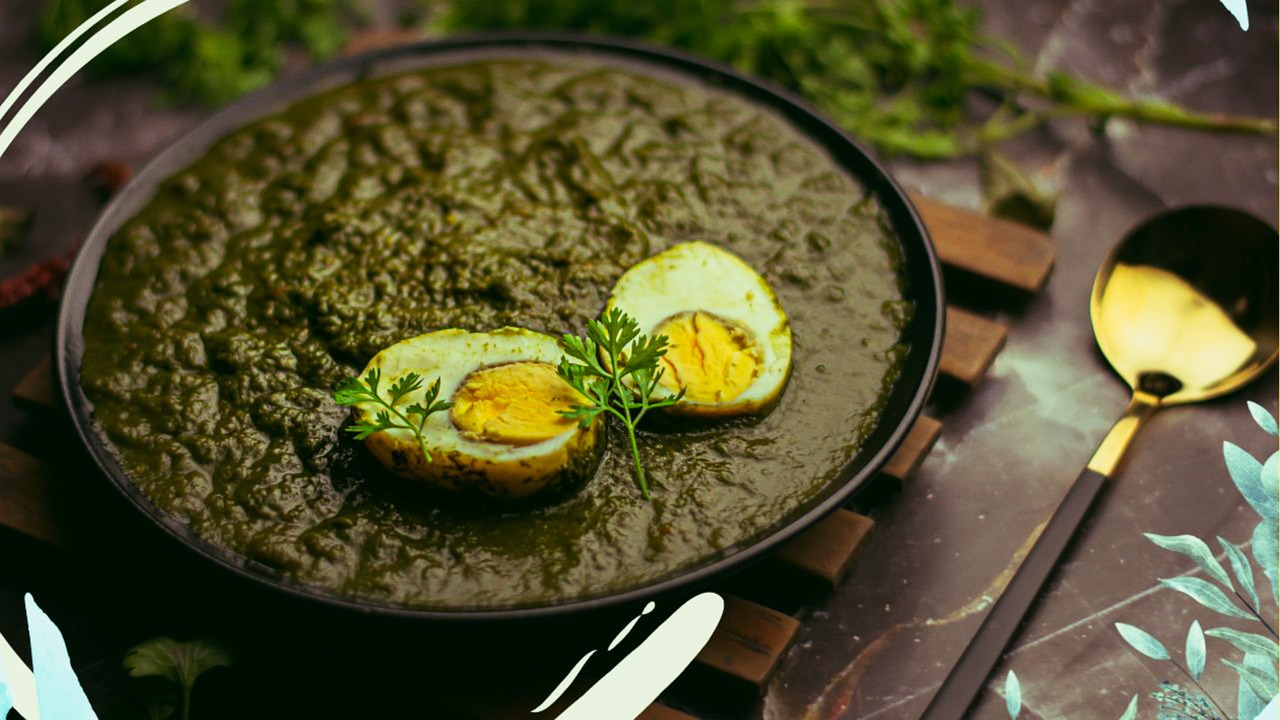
(753, 637)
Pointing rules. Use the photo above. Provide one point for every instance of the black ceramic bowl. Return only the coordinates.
(922, 275)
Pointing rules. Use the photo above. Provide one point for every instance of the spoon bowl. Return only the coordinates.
(1185, 308)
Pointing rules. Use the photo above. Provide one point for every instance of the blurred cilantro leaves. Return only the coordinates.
(894, 73)
(207, 60)
(180, 663)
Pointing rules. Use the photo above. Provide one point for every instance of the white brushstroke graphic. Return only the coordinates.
(617, 639)
(19, 681)
(635, 682)
(55, 52)
(573, 674)
(565, 683)
(130, 20)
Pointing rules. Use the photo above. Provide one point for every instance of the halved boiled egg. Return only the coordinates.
(504, 435)
(728, 339)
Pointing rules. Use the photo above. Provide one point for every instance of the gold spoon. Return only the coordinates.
(1184, 309)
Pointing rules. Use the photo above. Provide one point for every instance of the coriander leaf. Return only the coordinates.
(1010, 193)
(181, 663)
(623, 384)
(894, 73)
(355, 392)
(404, 386)
(209, 60)
(14, 224)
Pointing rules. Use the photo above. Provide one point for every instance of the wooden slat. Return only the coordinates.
(994, 248)
(27, 499)
(826, 550)
(970, 345)
(658, 711)
(749, 642)
(35, 390)
(914, 448)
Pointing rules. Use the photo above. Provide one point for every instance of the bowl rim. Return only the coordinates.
(906, 401)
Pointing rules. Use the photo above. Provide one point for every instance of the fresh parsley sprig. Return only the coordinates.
(354, 391)
(622, 385)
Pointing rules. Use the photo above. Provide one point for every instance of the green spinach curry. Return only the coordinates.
(476, 196)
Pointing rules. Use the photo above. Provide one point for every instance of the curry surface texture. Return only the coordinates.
(499, 192)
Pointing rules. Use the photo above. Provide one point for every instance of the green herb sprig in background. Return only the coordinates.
(181, 663)
(894, 73)
(201, 60)
(354, 391)
(623, 385)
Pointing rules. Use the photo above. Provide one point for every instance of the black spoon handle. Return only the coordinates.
(970, 672)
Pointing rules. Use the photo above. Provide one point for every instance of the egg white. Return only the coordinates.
(701, 277)
(465, 464)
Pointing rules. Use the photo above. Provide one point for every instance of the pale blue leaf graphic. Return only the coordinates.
(1269, 478)
(1248, 704)
(1261, 686)
(1194, 548)
(1246, 473)
(1142, 641)
(1242, 569)
(1246, 642)
(1268, 672)
(1271, 711)
(1195, 650)
(1131, 712)
(1265, 419)
(1240, 9)
(1012, 695)
(58, 690)
(1207, 594)
(1266, 551)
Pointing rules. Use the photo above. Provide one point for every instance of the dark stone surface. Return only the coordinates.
(885, 641)
(882, 642)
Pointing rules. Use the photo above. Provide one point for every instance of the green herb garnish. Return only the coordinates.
(623, 385)
(354, 391)
(208, 60)
(894, 73)
(180, 663)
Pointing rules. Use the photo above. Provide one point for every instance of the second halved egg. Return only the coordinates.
(728, 338)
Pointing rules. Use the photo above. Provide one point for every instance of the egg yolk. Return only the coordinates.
(712, 360)
(515, 403)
